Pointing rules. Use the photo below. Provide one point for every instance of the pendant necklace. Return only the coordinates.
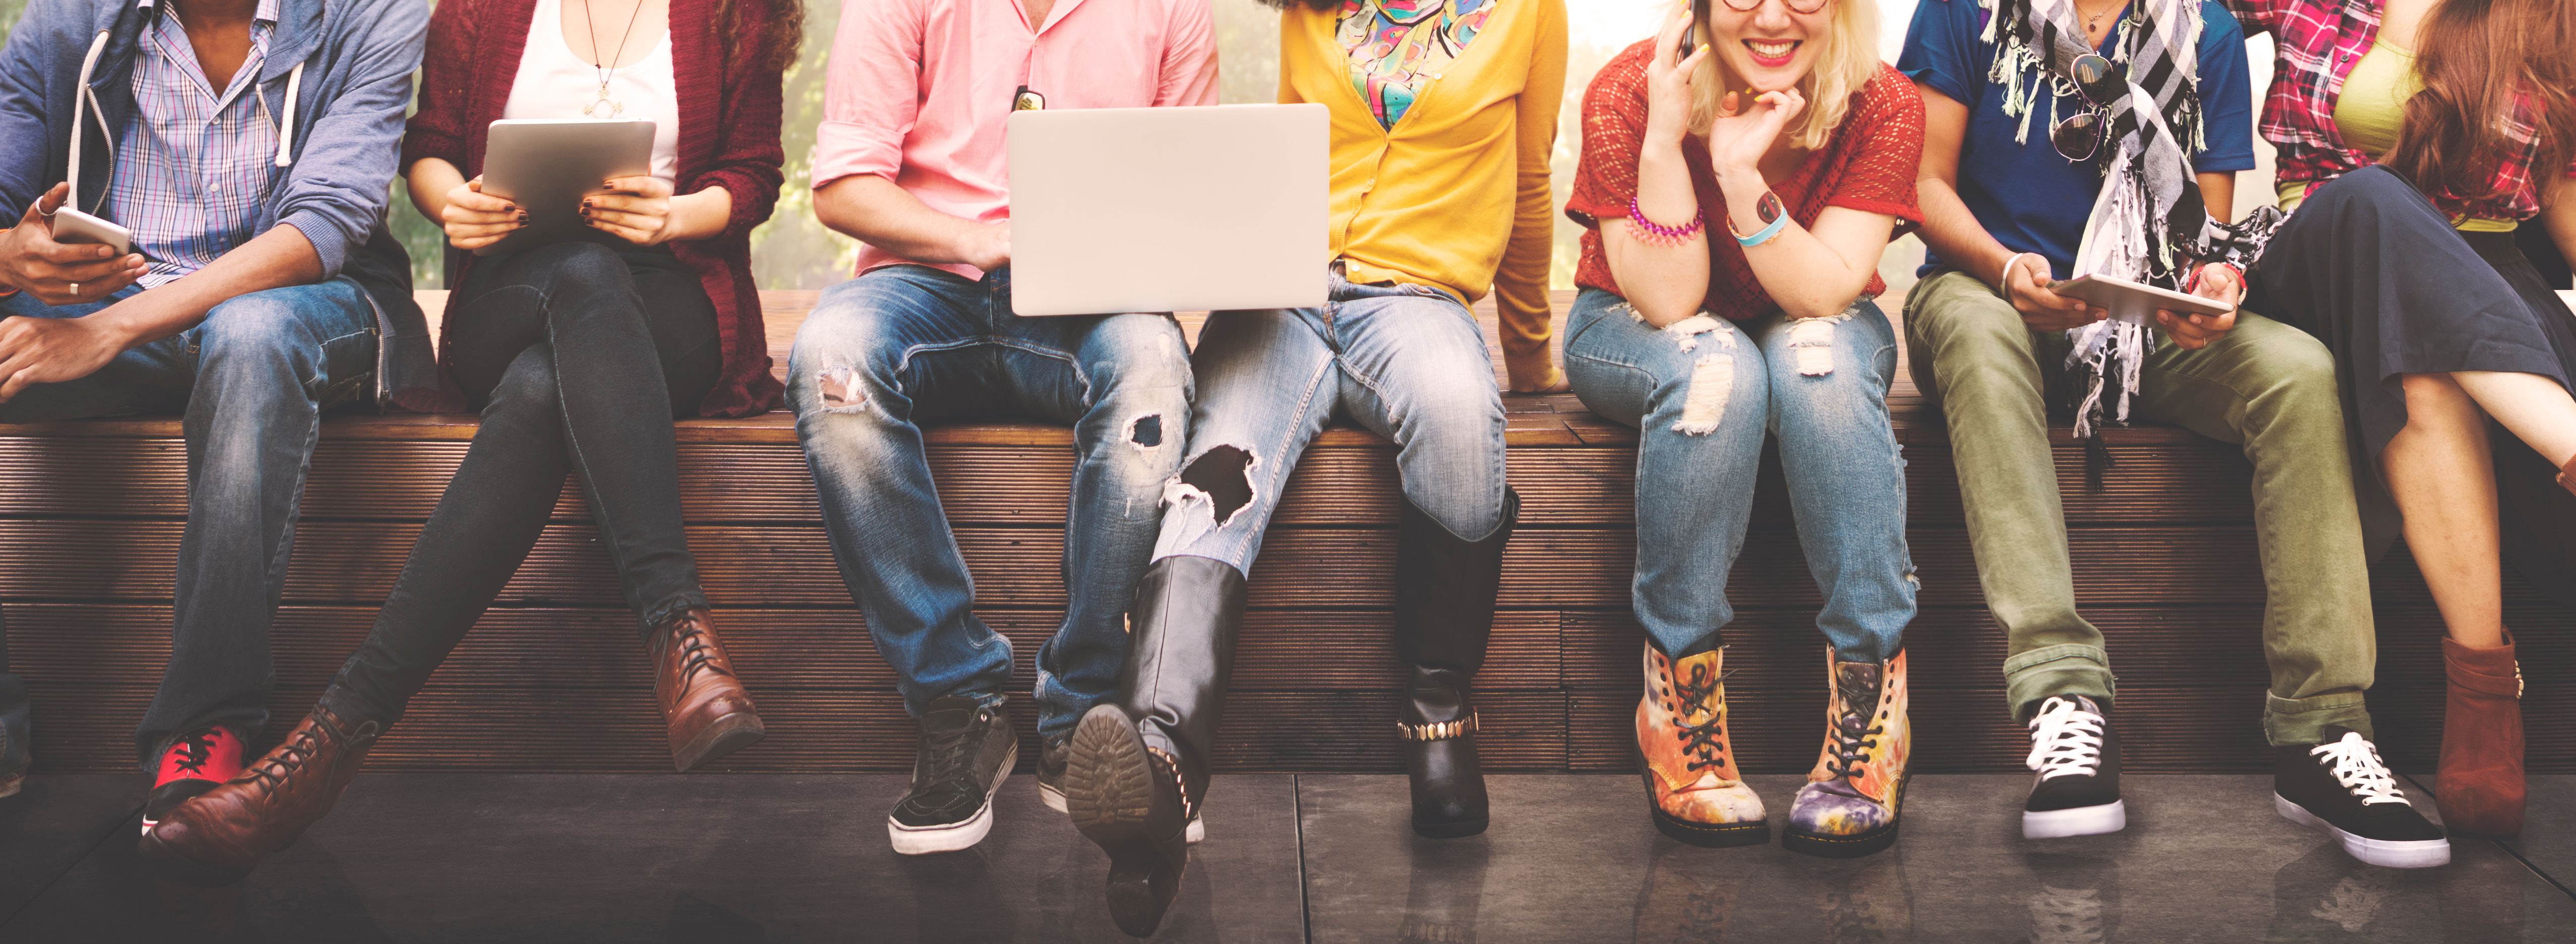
(603, 108)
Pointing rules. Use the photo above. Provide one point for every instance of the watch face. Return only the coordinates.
(1768, 207)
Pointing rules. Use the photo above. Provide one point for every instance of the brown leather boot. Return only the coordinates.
(218, 837)
(2481, 787)
(708, 713)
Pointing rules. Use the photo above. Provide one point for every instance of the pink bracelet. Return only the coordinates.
(1657, 234)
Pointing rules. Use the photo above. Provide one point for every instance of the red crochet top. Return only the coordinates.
(1869, 164)
(728, 138)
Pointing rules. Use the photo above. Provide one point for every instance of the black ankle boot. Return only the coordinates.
(1444, 609)
(1136, 772)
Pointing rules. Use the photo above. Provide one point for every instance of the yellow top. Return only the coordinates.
(2371, 112)
(1455, 195)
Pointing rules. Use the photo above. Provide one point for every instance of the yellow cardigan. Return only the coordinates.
(1455, 196)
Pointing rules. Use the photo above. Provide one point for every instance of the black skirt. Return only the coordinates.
(2370, 267)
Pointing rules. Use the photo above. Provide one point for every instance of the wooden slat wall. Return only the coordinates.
(553, 679)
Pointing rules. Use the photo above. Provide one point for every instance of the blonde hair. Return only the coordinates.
(1846, 59)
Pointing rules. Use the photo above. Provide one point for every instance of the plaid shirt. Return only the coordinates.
(193, 164)
(2319, 43)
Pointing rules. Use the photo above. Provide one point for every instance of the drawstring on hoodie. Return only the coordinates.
(89, 64)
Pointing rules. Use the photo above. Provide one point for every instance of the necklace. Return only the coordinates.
(2093, 21)
(604, 108)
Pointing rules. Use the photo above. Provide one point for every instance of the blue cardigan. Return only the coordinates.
(357, 58)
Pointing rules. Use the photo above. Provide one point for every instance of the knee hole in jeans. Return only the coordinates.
(1221, 478)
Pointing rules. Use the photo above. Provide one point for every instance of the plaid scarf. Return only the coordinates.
(2148, 223)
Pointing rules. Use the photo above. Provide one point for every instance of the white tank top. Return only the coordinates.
(555, 84)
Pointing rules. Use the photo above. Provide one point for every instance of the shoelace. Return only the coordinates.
(695, 655)
(195, 748)
(2355, 764)
(2065, 740)
(946, 752)
(1852, 742)
(1700, 740)
(273, 771)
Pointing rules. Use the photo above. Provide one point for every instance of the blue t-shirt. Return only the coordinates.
(2031, 198)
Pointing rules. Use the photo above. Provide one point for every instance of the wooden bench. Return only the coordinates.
(553, 679)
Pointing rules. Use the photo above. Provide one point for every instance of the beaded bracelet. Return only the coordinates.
(1657, 234)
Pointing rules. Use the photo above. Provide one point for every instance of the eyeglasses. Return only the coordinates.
(1795, 6)
(2080, 136)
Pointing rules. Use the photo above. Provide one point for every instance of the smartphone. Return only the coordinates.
(1691, 37)
(74, 226)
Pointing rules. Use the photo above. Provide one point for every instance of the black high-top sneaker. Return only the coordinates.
(2077, 754)
(966, 751)
(2339, 787)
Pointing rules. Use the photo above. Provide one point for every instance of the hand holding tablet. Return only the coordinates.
(547, 169)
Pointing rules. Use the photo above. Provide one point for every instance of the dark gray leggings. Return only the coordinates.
(579, 355)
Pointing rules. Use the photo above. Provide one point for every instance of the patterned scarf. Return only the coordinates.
(2148, 224)
(1395, 46)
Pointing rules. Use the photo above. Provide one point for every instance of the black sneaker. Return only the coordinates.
(1051, 754)
(2340, 788)
(967, 750)
(2077, 754)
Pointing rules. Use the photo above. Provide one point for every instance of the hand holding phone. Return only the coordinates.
(63, 256)
(1669, 79)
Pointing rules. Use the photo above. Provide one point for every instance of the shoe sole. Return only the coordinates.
(10, 785)
(726, 735)
(186, 871)
(2081, 821)
(1711, 835)
(927, 840)
(1109, 793)
(1847, 847)
(1456, 830)
(2387, 853)
(1053, 797)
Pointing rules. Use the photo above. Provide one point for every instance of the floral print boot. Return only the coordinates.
(1848, 808)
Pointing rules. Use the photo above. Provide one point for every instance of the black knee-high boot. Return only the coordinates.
(1444, 610)
(1138, 769)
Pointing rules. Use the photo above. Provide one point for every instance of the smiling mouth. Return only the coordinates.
(1771, 52)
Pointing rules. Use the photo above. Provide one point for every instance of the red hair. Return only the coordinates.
(2482, 61)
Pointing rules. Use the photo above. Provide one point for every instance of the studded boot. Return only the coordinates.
(1849, 805)
(1137, 770)
(1444, 611)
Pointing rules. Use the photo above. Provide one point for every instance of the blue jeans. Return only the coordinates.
(906, 345)
(250, 382)
(1403, 360)
(1702, 393)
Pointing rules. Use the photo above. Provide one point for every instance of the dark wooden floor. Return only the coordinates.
(553, 680)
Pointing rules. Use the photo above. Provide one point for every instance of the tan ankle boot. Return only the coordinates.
(1691, 780)
(2481, 788)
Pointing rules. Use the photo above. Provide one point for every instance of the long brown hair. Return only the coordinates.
(2478, 58)
(782, 33)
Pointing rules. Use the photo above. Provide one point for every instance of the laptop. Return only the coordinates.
(1168, 209)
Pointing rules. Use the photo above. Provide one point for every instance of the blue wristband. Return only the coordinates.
(1767, 233)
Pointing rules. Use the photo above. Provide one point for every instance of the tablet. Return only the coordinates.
(547, 166)
(2133, 302)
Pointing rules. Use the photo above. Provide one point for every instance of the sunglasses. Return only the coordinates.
(2080, 136)
(1795, 6)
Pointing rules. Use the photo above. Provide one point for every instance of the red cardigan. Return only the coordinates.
(728, 138)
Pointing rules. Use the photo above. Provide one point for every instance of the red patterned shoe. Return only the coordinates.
(198, 761)
(1692, 785)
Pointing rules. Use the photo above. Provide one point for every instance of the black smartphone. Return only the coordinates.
(1691, 37)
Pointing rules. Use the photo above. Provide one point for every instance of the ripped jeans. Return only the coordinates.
(1404, 360)
(1702, 393)
(904, 346)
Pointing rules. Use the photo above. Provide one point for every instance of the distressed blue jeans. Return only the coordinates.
(1403, 360)
(1702, 393)
(250, 383)
(905, 345)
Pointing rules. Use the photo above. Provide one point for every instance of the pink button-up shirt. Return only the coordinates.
(919, 90)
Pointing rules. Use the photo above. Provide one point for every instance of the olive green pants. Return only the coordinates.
(2265, 386)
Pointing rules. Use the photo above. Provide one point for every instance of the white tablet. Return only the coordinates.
(547, 166)
(2134, 302)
